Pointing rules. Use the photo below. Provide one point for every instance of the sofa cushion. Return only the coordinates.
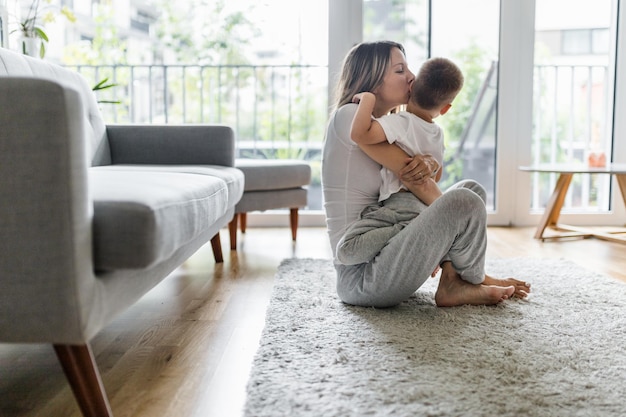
(233, 177)
(274, 174)
(269, 200)
(142, 217)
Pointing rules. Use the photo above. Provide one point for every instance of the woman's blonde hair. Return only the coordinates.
(363, 69)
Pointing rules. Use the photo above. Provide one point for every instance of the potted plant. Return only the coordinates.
(33, 35)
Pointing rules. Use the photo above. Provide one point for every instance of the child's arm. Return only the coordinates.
(428, 191)
(422, 186)
(369, 135)
(365, 130)
(371, 138)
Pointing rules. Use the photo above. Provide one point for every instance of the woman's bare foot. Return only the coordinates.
(453, 291)
(521, 288)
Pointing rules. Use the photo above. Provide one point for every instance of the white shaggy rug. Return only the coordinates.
(562, 352)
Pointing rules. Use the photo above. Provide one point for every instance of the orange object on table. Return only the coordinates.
(596, 159)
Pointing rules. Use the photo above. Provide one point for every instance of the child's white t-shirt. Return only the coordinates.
(415, 136)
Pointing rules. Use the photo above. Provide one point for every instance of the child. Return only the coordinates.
(437, 84)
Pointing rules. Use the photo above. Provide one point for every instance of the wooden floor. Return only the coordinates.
(185, 349)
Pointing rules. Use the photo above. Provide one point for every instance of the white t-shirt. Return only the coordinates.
(350, 179)
(415, 136)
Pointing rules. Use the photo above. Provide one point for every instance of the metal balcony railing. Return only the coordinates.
(281, 104)
(572, 116)
(277, 111)
(280, 111)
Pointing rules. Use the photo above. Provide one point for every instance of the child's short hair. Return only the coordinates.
(439, 80)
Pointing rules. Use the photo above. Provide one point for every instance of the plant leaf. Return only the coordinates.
(102, 85)
(40, 33)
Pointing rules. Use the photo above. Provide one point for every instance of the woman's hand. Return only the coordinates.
(419, 168)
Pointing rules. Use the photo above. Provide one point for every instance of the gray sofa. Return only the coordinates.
(93, 216)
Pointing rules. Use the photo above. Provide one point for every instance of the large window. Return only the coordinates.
(540, 81)
(540, 87)
(573, 98)
(448, 28)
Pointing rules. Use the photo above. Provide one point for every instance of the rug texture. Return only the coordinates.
(561, 352)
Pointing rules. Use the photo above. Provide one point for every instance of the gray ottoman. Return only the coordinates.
(271, 184)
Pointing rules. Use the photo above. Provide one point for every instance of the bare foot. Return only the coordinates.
(453, 291)
(521, 288)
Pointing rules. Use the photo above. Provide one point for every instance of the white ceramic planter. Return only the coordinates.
(31, 46)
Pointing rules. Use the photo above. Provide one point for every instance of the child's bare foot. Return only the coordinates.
(453, 291)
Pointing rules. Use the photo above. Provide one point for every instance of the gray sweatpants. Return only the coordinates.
(452, 228)
(378, 223)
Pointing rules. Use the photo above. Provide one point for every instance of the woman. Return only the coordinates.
(451, 233)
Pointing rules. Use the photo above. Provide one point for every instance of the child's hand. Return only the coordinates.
(360, 96)
(357, 98)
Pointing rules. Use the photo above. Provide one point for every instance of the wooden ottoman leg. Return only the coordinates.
(293, 219)
(243, 221)
(232, 231)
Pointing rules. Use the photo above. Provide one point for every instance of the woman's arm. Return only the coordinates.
(410, 170)
(415, 173)
(371, 138)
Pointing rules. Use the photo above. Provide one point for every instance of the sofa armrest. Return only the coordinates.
(45, 212)
(172, 144)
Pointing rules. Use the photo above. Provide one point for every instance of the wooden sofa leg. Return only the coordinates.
(216, 244)
(82, 373)
(293, 217)
(232, 231)
(243, 221)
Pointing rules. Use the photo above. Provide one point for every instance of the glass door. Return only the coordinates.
(467, 32)
(540, 86)
(574, 105)
(449, 28)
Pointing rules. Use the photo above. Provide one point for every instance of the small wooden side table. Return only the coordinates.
(553, 208)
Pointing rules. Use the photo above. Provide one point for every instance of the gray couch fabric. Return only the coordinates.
(272, 184)
(143, 217)
(274, 174)
(94, 216)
